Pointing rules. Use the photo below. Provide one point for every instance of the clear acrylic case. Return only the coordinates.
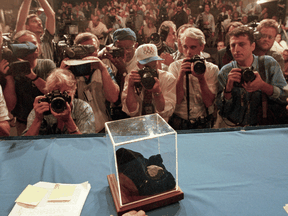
(146, 150)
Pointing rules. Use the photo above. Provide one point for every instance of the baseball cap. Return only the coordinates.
(147, 53)
(124, 34)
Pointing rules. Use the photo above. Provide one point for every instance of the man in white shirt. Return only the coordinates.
(195, 101)
(99, 29)
(158, 95)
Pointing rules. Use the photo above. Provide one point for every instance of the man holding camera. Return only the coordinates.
(268, 29)
(197, 84)
(59, 112)
(23, 86)
(246, 81)
(120, 56)
(149, 90)
(34, 24)
(97, 86)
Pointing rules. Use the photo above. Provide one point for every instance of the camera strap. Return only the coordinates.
(261, 68)
(147, 105)
(188, 96)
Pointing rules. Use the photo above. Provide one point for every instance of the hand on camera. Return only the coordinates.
(63, 65)
(255, 85)
(168, 59)
(95, 65)
(134, 77)
(233, 76)
(40, 107)
(185, 67)
(64, 116)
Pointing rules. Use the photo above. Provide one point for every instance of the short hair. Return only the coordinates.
(193, 33)
(21, 33)
(85, 36)
(242, 31)
(234, 24)
(184, 26)
(168, 23)
(29, 17)
(268, 23)
(60, 77)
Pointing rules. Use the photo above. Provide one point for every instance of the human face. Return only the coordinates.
(94, 43)
(220, 45)
(32, 58)
(35, 25)
(129, 47)
(278, 38)
(285, 55)
(268, 36)
(171, 38)
(242, 49)
(207, 8)
(191, 47)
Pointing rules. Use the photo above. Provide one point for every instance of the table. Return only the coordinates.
(221, 173)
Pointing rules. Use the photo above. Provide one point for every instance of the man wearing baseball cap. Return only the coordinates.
(126, 40)
(149, 90)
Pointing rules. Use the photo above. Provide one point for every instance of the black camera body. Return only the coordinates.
(116, 52)
(57, 100)
(221, 18)
(247, 75)
(147, 75)
(199, 64)
(78, 51)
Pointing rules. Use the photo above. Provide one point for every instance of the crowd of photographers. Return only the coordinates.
(84, 65)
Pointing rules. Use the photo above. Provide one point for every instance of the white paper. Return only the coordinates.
(45, 208)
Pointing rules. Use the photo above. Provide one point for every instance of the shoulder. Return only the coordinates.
(80, 106)
(226, 68)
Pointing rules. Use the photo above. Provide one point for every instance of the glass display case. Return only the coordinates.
(143, 162)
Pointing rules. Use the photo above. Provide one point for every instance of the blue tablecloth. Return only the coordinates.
(221, 173)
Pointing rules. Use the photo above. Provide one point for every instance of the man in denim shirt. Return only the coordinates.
(239, 102)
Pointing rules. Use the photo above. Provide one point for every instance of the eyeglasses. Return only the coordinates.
(267, 36)
(128, 49)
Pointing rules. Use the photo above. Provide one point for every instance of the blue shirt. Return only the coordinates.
(237, 109)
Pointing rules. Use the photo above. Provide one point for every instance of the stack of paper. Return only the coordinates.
(46, 198)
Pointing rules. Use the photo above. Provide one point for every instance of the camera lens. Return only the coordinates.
(148, 80)
(58, 104)
(248, 75)
(199, 67)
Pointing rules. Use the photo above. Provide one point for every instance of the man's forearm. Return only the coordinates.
(207, 96)
(131, 101)
(22, 15)
(34, 128)
(10, 93)
(4, 128)
(179, 89)
(50, 14)
(111, 89)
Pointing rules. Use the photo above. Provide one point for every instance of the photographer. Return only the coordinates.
(167, 32)
(181, 16)
(99, 85)
(149, 90)
(197, 84)
(22, 88)
(268, 29)
(68, 115)
(120, 56)
(33, 23)
(246, 81)
(135, 19)
(205, 20)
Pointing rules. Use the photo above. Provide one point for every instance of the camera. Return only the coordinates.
(147, 75)
(77, 51)
(57, 100)
(199, 64)
(116, 52)
(12, 51)
(247, 75)
(221, 18)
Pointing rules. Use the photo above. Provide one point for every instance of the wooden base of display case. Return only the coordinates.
(147, 204)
